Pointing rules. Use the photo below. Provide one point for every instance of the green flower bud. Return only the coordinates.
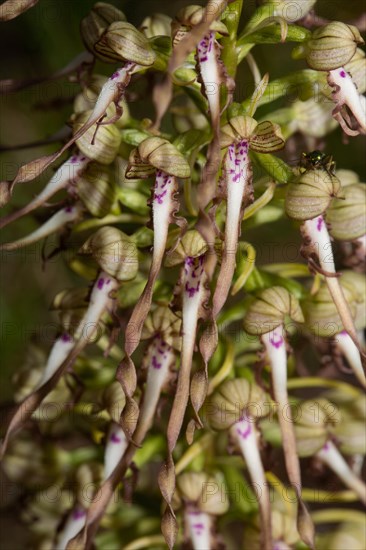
(106, 143)
(311, 193)
(350, 435)
(347, 217)
(357, 69)
(160, 154)
(314, 424)
(314, 117)
(97, 189)
(95, 23)
(355, 283)
(332, 46)
(163, 322)
(71, 305)
(347, 177)
(190, 16)
(85, 101)
(191, 245)
(264, 137)
(347, 535)
(115, 253)
(194, 488)
(284, 529)
(270, 310)
(122, 41)
(233, 399)
(114, 401)
(157, 24)
(321, 314)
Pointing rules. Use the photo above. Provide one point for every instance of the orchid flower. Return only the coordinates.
(330, 455)
(123, 266)
(240, 135)
(129, 44)
(65, 176)
(235, 406)
(323, 319)
(74, 523)
(55, 224)
(345, 95)
(191, 250)
(318, 427)
(119, 451)
(318, 243)
(266, 317)
(202, 498)
(155, 155)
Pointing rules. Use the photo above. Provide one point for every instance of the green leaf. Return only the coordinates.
(273, 34)
(134, 137)
(162, 46)
(274, 166)
(134, 200)
(191, 140)
(241, 495)
(299, 83)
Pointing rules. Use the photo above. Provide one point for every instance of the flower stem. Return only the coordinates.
(351, 353)
(246, 436)
(199, 526)
(331, 456)
(55, 224)
(193, 292)
(67, 174)
(317, 233)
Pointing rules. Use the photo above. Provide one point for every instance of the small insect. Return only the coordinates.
(318, 160)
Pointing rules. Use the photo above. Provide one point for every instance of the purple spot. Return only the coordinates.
(276, 343)
(194, 513)
(159, 197)
(198, 527)
(192, 290)
(115, 438)
(155, 363)
(115, 75)
(66, 337)
(100, 283)
(246, 433)
(342, 74)
(69, 209)
(78, 514)
(74, 159)
(344, 333)
(326, 447)
(319, 224)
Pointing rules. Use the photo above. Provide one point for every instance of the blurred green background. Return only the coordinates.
(39, 42)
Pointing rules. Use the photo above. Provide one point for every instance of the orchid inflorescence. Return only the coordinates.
(184, 433)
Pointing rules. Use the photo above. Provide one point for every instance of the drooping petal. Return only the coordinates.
(67, 174)
(346, 94)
